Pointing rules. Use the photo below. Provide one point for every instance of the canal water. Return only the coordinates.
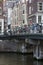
(18, 59)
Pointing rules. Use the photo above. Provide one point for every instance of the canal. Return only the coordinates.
(18, 59)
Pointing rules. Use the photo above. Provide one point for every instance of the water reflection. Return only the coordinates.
(38, 63)
(18, 59)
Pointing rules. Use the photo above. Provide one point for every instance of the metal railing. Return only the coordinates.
(36, 28)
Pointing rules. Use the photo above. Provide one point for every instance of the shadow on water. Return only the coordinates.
(38, 63)
(18, 59)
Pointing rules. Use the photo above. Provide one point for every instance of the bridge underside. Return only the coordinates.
(37, 41)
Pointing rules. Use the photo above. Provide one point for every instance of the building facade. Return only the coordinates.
(35, 11)
(24, 13)
(1, 18)
(5, 14)
(19, 15)
(9, 6)
(16, 16)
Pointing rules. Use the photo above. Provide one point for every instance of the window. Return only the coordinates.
(30, 10)
(39, 19)
(29, 1)
(8, 26)
(0, 23)
(23, 11)
(0, 11)
(40, 6)
(23, 21)
(0, 29)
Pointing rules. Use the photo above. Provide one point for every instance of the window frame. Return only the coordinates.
(30, 10)
(40, 6)
(23, 21)
(39, 18)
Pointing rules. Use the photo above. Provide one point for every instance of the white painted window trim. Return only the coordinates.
(2, 26)
(30, 10)
(37, 18)
(38, 6)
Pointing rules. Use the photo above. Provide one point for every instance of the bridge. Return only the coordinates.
(38, 36)
(35, 39)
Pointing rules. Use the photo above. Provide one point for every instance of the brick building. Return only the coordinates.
(35, 11)
(19, 15)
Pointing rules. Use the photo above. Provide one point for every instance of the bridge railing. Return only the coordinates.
(21, 30)
(36, 28)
